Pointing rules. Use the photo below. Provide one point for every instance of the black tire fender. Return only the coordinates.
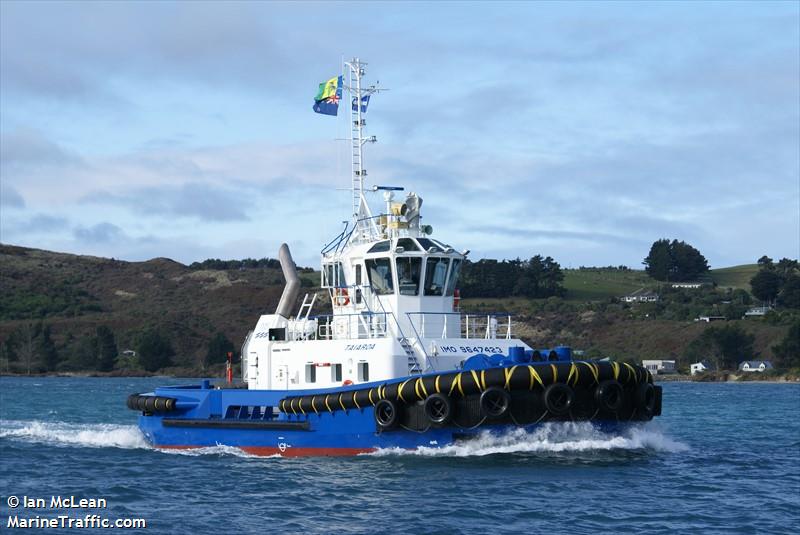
(646, 398)
(609, 396)
(558, 399)
(495, 401)
(438, 408)
(385, 414)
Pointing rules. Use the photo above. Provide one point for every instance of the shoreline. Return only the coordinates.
(195, 374)
(726, 378)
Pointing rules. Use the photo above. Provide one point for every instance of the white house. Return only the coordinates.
(659, 366)
(757, 312)
(755, 366)
(709, 319)
(700, 367)
(687, 285)
(641, 296)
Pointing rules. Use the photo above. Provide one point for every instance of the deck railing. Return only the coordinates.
(442, 324)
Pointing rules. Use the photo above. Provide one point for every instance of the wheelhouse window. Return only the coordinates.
(436, 275)
(380, 247)
(428, 244)
(379, 271)
(408, 274)
(408, 244)
(333, 275)
(452, 280)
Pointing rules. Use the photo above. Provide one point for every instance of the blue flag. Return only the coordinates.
(364, 103)
(327, 100)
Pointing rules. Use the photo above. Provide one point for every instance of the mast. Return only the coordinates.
(362, 216)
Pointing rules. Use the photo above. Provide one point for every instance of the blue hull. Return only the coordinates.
(203, 416)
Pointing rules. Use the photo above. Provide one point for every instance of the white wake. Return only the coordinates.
(560, 437)
(97, 436)
(72, 434)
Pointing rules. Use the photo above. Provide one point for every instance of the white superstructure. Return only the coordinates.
(394, 298)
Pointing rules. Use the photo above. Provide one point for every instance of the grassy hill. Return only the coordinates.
(73, 295)
(597, 284)
(734, 277)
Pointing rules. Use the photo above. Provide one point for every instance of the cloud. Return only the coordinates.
(45, 223)
(192, 199)
(10, 197)
(30, 147)
(101, 233)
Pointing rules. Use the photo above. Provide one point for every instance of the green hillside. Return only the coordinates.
(52, 305)
(735, 276)
(598, 284)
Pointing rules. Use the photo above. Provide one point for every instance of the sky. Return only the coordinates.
(582, 131)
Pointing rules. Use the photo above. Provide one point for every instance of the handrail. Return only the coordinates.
(468, 327)
(370, 329)
(325, 248)
(344, 235)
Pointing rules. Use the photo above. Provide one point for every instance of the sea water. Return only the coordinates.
(722, 458)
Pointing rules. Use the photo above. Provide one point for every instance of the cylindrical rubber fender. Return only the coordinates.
(438, 408)
(558, 398)
(609, 396)
(646, 398)
(386, 414)
(132, 402)
(495, 401)
(138, 402)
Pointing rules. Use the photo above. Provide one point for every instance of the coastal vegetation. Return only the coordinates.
(68, 313)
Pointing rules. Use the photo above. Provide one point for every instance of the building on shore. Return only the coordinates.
(660, 366)
(701, 367)
(755, 366)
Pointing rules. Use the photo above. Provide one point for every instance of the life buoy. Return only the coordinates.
(347, 382)
(340, 297)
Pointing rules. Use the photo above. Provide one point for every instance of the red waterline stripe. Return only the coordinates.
(266, 451)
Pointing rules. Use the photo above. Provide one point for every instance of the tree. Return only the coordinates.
(9, 347)
(786, 267)
(106, 349)
(155, 350)
(84, 353)
(766, 284)
(218, 349)
(674, 261)
(789, 296)
(765, 262)
(47, 349)
(730, 344)
(788, 351)
(659, 261)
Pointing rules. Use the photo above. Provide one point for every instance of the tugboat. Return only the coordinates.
(395, 364)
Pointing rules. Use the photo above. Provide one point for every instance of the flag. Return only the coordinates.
(364, 103)
(327, 100)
